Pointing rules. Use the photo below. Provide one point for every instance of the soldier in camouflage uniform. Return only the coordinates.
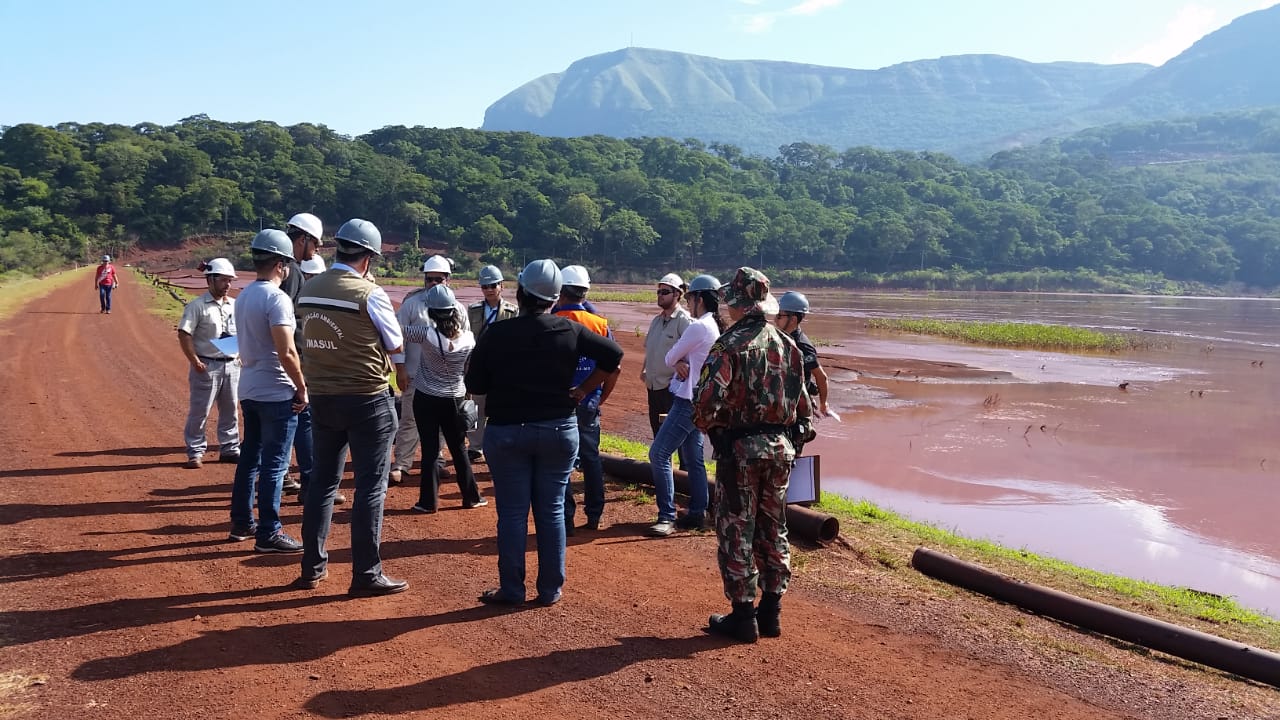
(751, 402)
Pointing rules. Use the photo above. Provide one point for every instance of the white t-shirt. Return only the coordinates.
(260, 307)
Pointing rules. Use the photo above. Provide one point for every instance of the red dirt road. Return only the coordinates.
(122, 599)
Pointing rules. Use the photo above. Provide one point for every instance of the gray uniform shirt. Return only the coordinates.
(206, 320)
(663, 333)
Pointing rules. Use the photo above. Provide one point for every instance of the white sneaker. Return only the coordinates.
(662, 528)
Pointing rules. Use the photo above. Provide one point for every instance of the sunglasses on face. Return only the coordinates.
(435, 280)
(490, 286)
(666, 292)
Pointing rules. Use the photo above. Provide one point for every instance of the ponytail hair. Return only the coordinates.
(711, 303)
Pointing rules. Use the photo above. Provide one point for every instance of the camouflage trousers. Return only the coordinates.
(753, 548)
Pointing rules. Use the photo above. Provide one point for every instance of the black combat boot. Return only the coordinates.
(739, 624)
(767, 615)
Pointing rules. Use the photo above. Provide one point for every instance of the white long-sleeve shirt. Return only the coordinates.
(692, 347)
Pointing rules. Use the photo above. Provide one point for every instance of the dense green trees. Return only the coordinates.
(1192, 200)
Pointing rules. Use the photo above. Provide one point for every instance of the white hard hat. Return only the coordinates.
(437, 263)
(106, 258)
(575, 275)
(314, 266)
(309, 224)
(220, 266)
(673, 280)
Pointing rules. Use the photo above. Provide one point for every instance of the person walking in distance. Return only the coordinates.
(793, 308)
(272, 393)
(525, 366)
(573, 294)
(413, 311)
(307, 233)
(665, 328)
(677, 432)
(351, 342)
(493, 308)
(751, 402)
(438, 395)
(214, 375)
(105, 281)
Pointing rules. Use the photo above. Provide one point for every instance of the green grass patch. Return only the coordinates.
(18, 289)
(621, 296)
(889, 539)
(615, 445)
(160, 298)
(1015, 334)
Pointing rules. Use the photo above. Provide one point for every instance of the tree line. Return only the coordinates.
(1193, 200)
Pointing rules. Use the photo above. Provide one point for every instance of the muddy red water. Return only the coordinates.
(1170, 479)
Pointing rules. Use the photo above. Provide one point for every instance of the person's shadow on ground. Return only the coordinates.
(509, 678)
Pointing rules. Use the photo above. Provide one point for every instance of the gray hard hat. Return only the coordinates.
(793, 302)
(440, 297)
(541, 279)
(704, 282)
(490, 275)
(272, 242)
(361, 233)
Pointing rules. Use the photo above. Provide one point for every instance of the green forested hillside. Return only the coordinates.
(1094, 203)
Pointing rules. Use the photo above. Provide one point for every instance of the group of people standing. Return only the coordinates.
(311, 367)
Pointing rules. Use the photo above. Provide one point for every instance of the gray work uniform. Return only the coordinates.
(205, 319)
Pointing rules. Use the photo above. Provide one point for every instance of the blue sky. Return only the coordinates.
(356, 66)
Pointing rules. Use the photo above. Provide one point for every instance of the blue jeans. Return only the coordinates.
(530, 465)
(592, 471)
(366, 423)
(104, 297)
(678, 433)
(304, 448)
(264, 459)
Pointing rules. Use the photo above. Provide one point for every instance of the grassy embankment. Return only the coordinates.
(1015, 334)
(17, 289)
(161, 300)
(888, 539)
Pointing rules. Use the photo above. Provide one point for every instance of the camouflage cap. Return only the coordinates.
(749, 291)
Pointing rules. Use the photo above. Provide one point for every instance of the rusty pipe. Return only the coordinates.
(1203, 648)
(802, 522)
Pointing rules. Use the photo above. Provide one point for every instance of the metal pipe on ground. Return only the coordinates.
(804, 523)
(1203, 648)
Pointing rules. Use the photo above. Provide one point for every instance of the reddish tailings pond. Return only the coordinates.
(1172, 479)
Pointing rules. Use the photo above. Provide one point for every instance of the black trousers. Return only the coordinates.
(434, 416)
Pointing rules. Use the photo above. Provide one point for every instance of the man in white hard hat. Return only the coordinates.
(413, 311)
(307, 233)
(482, 315)
(105, 282)
(214, 373)
(665, 328)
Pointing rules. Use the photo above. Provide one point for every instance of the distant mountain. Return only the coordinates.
(967, 105)
(944, 104)
(1231, 68)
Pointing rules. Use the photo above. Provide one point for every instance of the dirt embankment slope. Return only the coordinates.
(122, 599)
